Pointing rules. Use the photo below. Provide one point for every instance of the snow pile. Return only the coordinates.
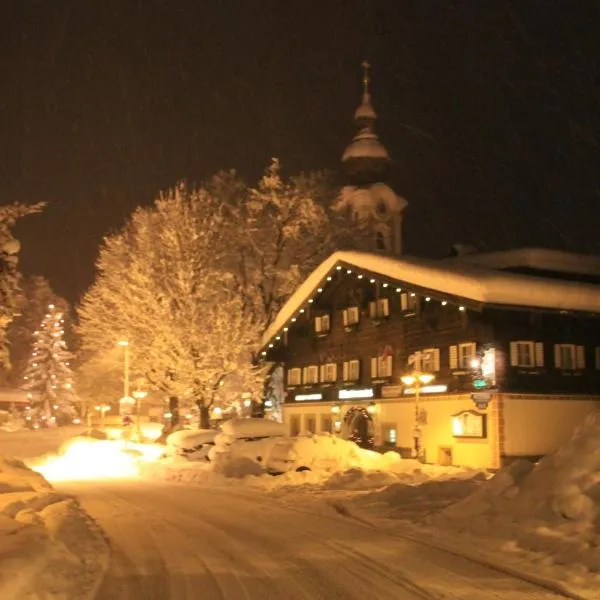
(29, 443)
(47, 543)
(552, 508)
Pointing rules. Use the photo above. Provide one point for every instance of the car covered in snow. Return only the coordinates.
(192, 444)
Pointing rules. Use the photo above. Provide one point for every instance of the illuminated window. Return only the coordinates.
(427, 360)
(322, 324)
(294, 377)
(310, 375)
(381, 366)
(461, 355)
(351, 370)
(391, 436)
(351, 316)
(328, 373)
(379, 308)
(408, 302)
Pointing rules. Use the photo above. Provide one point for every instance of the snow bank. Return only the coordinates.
(551, 508)
(192, 444)
(28, 443)
(47, 543)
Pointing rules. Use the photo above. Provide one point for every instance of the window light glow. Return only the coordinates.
(427, 389)
(308, 397)
(355, 394)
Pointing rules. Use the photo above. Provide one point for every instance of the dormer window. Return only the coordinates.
(408, 302)
(322, 324)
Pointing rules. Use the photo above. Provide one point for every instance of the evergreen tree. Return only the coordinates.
(49, 373)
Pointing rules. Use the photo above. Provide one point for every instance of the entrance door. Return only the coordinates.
(358, 427)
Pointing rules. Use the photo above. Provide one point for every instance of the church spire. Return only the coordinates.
(366, 160)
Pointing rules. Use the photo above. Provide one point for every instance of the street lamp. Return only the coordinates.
(139, 395)
(125, 344)
(417, 379)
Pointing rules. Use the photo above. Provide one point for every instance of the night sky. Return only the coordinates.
(490, 110)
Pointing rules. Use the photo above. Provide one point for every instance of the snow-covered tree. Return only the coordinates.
(9, 274)
(161, 287)
(36, 295)
(49, 373)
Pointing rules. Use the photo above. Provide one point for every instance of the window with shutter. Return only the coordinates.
(381, 366)
(466, 353)
(374, 370)
(580, 357)
(329, 372)
(565, 356)
(294, 377)
(539, 354)
(408, 302)
(351, 316)
(372, 309)
(453, 357)
(322, 324)
(322, 376)
(524, 354)
(351, 370)
(311, 374)
(430, 360)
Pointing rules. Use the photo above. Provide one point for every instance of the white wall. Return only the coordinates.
(437, 431)
(536, 425)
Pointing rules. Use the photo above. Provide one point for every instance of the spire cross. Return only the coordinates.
(366, 66)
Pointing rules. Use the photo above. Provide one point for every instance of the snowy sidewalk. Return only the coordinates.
(48, 545)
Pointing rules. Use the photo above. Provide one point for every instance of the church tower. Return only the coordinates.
(366, 196)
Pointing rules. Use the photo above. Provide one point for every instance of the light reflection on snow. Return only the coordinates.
(87, 459)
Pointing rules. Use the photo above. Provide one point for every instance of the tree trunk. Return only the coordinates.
(204, 415)
(174, 410)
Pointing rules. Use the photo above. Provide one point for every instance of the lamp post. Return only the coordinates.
(125, 344)
(139, 395)
(417, 379)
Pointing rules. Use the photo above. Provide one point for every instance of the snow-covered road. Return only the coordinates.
(172, 541)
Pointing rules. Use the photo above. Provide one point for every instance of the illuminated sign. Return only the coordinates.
(301, 397)
(427, 389)
(355, 394)
(469, 424)
(479, 384)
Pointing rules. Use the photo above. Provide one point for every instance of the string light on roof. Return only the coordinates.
(293, 319)
(398, 290)
(428, 299)
(339, 268)
(310, 301)
(412, 294)
(329, 278)
(348, 271)
(461, 308)
(285, 328)
(360, 276)
(319, 290)
(385, 284)
(270, 345)
(372, 280)
(444, 302)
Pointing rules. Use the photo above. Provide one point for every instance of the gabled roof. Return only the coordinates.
(541, 259)
(449, 279)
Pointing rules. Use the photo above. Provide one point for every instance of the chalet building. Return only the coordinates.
(515, 358)
(510, 340)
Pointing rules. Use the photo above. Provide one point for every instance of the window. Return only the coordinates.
(462, 355)
(326, 423)
(351, 316)
(597, 357)
(379, 308)
(294, 377)
(430, 360)
(351, 370)
(322, 324)
(408, 302)
(569, 357)
(328, 373)
(310, 423)
(526, 354)
(310, 375)
(381, 366)
(391, 436)
(294, 425)
(379, 241)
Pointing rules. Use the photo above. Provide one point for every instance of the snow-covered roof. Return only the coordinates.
(469, 282)
(540, 259)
